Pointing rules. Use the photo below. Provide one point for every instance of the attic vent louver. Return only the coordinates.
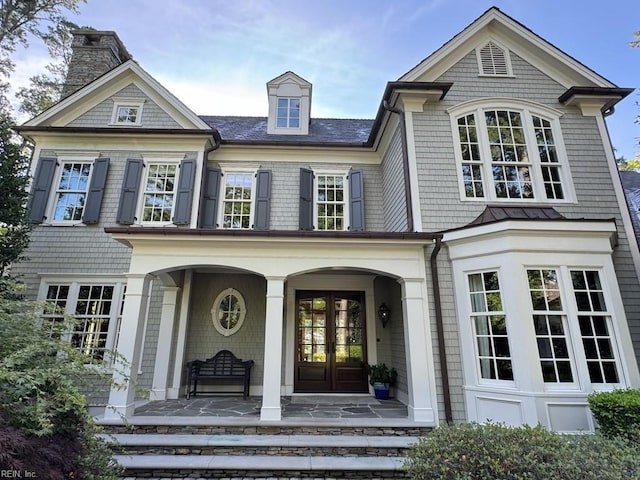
(493, 60)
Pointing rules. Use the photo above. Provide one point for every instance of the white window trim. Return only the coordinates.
(148, 160)
(216, 305)
(526, 109)
(229, 169)
(74, 281)
(343, 173)
(53, 194)
(127, 103)
(508, 384)
(574, 327)
(507, 59)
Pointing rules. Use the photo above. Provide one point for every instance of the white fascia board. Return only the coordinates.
(531, 236)
(523, 42)
(129, 68)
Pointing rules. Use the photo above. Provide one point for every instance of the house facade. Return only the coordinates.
(481, 206)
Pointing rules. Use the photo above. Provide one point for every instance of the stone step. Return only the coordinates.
(228, 426)
(250, 445)
(260, 466)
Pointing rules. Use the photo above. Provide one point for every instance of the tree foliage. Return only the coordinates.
(40, 400)
(14, 228)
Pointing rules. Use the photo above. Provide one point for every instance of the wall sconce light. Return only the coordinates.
(384, 314)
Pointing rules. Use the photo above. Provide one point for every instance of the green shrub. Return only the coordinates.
(41, 407)
(493, 451)
(617, 412)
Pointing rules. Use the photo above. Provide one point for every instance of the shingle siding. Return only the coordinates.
(437, 169)
(204, 341)
(153, 116)
(394, 201)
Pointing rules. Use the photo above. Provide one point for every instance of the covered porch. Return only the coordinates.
(341, 272)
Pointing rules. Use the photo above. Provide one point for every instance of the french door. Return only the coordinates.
(331, 342)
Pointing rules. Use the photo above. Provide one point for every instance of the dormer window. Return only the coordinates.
(494, 60)
(289, 105)
(127, 112)
(288, 113)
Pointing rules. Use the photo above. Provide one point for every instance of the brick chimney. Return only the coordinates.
(94, 53)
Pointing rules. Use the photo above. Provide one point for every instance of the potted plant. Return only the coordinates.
(381, 378)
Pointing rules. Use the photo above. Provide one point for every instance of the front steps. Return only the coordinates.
(259, 451)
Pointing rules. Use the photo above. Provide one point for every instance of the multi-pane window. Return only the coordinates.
(509, 158)
(159, 192)
(549, 163)
(127, 112)
(237, 202)
(509, 154)
(71, 193)
(595, 326)
(549, 321)
(471, 161)
(288, 113)
(127, 115)
(489, 325)
(56, 305)
(331, 202)
(93, 312)
(97, 309)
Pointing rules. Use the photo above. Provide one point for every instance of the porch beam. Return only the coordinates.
(165, 337)
(271, 409)
(121, 401)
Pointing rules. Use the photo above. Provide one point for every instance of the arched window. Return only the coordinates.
(510, 150)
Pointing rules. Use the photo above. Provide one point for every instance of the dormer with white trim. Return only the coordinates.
(289, 105)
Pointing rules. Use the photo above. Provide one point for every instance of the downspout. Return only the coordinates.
(442, 353)
(405, 163)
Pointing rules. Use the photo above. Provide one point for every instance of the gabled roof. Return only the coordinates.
(493, 23)
(108, 85)
(289, 76)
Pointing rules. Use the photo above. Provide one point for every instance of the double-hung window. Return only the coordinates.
(510, 151)
(331, 209)
(159, 192)
(489, 323)
(238, 199)
(586, 320)
(71, 191)
(97, 308)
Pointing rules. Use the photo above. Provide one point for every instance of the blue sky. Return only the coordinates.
(217, 55)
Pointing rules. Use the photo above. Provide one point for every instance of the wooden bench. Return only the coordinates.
(224, 368)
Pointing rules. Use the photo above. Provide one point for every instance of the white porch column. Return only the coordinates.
(417, 337)
(121, 402)
(174, 390)
(271, 409)
(165, 336)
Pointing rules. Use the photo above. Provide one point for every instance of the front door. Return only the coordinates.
(331, 345)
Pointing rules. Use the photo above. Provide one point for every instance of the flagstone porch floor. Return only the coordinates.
(309, 407)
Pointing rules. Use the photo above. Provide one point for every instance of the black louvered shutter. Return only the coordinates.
(129, 194)
(210, 194)
(356, 201)
(41, 188)
(263, 200)
(184, 194)
(91, 213)
(306, 199)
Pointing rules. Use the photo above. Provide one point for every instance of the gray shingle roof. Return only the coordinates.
(321, 130)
